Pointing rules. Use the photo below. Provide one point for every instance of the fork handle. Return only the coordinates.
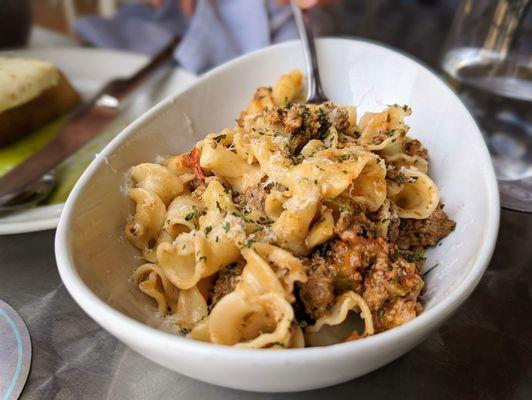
(315, 92)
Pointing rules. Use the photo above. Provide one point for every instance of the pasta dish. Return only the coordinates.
(301, 226)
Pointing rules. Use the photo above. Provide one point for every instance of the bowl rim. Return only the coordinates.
(100, 310)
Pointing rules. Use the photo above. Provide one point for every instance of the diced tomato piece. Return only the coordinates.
(192, 160)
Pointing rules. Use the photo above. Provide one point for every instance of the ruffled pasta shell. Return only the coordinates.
(322, 230)
(294, 222)
(182, 214)
(152, 281)
(273, 204)
(402, 160)
(144, 226)
(150, 253)
(258, 277)
(418, 196)
(191, 308)
(337, 315)
(191, 258)
(289, 269)
(369, 187)
(384, 131)
(177, 166)
(253, 322)
(229, 165)
(287, 87)
(157, 179)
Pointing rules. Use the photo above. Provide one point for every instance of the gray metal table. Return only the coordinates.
(483, 352)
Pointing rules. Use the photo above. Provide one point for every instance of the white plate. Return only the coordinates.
(88, 70)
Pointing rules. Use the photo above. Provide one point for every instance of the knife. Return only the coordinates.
(84, 124)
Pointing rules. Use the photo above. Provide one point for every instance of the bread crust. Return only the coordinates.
(21, 120)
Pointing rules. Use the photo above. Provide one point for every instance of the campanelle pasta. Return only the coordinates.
(297, 221)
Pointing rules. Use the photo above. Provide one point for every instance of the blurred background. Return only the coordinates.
(388, 21)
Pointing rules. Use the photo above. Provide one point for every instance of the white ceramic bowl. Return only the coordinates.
(95, 260)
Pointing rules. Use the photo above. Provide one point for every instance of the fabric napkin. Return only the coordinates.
(218, 30)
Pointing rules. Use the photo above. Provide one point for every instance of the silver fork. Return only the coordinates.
(315, 91)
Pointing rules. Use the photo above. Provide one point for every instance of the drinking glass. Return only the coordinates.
(488, 58)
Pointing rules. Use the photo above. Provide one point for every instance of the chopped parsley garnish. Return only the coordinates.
(344, 157)
(226, 226)
(230, 269)
(339, 204)
(227, 191)
(219, 138)
(302, 323)
(247, 245)
(218, 206)
(281, 344)
(258, 228)
(266, 109)
(419, 255)
(195, 213)
(324, 123)
(207, 229)
(202, 258)
(266, 221)
(315, 181)
(400, 179)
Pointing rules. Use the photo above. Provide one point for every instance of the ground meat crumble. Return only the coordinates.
(228, 277)
(384, 270)
(390, 288)
(415, 148)
(424, 232)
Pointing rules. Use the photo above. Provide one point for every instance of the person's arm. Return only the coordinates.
(187, 6)
(309, 3)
